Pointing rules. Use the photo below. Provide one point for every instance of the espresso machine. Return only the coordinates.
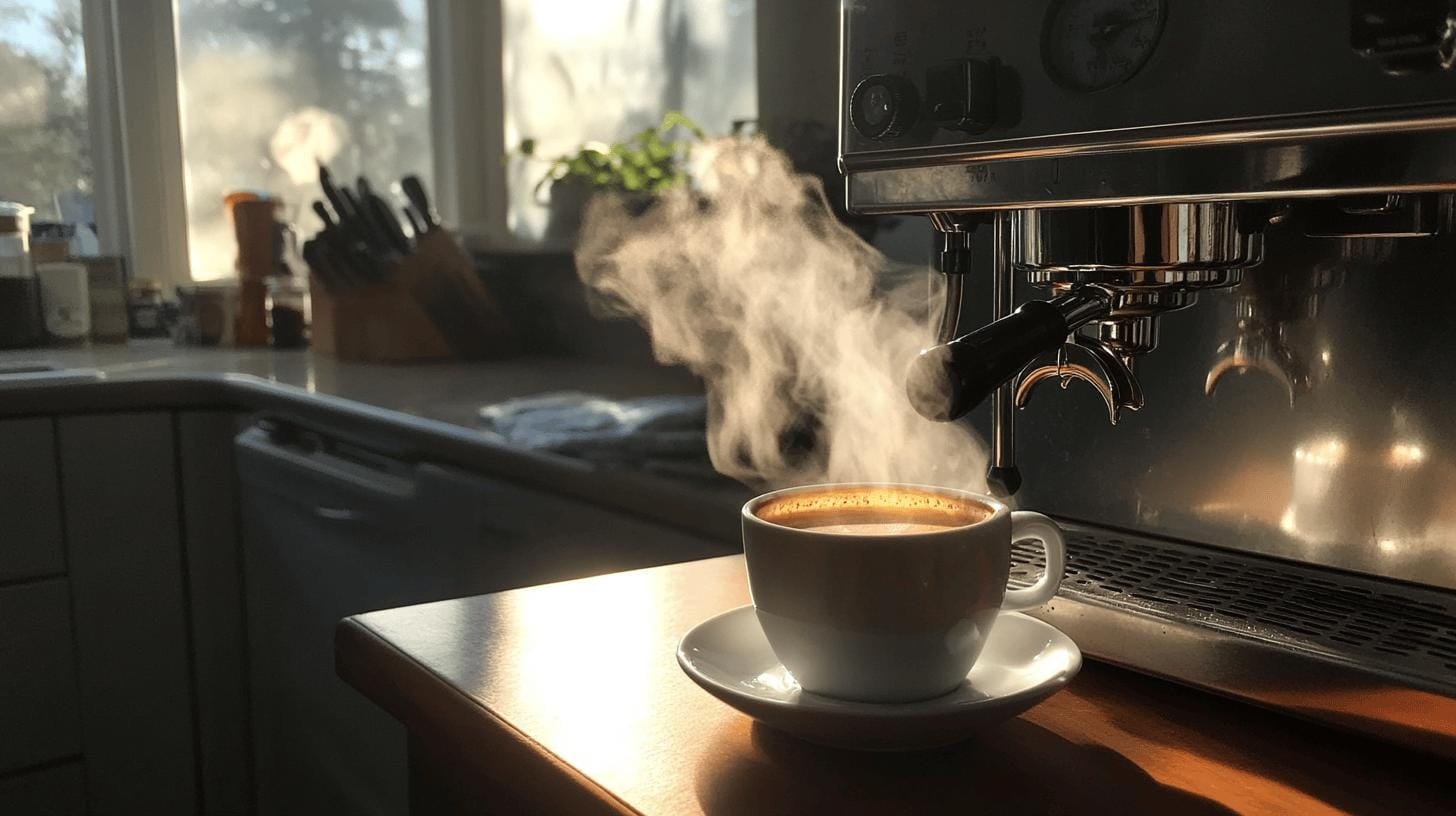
(1197, 256)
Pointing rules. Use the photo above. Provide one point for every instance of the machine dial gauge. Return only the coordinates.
(1089, 45)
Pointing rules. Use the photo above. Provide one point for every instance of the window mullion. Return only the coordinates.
(467, 115)
(145, 187)
(104, 124)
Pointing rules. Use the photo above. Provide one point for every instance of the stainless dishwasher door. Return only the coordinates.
(331, 530)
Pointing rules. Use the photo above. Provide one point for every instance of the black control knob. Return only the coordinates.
(883, 106)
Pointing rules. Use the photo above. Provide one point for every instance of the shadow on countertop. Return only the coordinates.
(1017, 767)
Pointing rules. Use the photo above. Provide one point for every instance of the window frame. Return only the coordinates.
(136, 135)
(468, 118)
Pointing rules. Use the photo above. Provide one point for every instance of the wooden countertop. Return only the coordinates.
(567, 698)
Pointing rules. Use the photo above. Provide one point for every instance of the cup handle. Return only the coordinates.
(1027, 525)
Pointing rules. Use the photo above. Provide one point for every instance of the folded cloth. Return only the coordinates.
(589, 426)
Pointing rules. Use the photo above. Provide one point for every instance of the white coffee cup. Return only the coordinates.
(883, 614)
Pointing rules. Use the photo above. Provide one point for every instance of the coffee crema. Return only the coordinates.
(872, 511)
(879, 528)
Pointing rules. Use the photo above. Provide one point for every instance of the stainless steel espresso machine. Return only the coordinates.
(1199, 258)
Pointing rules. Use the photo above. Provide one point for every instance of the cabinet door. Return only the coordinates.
(509, 536)
(214, 587)
(119, 491)
(38, 721)
(30, 508)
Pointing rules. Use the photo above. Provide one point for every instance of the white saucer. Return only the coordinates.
(1024, 662)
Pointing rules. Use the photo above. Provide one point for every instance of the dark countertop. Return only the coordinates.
(424, 412)
(566, 699)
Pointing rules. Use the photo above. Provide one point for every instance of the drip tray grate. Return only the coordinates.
(1401, 628)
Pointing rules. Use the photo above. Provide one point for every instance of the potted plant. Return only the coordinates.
(639, 167)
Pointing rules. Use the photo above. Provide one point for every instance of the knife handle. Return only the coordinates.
(414, 190)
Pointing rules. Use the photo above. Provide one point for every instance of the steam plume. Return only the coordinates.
(752, 283)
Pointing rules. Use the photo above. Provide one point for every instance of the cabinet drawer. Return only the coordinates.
(38, 696)
(30, 506)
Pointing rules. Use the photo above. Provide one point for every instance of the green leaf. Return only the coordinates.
(675, 119)
(649, 159)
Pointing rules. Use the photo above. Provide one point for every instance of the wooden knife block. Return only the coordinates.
(431, 306)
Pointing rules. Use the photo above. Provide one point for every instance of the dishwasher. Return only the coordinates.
(333, 528)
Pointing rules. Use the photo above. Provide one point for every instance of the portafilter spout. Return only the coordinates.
(948, 380)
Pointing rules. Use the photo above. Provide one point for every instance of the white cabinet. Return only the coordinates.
(38, 713)
(119, 491)
(30, 508)
(208, 487)
(137, 676)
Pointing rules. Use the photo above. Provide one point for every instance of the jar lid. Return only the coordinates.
(219, 286)
(14, 217)
(52, 231)
(284, 283)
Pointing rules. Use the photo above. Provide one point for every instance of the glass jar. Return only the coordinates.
(106, 285)
(145, 308)
(65, 301)
(50, 241)
(288, 312)
(20, 320)
(207, 313)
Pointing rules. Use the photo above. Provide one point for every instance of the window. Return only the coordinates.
(271, 87)
(598, 70)
(223, 95)
(45, 149)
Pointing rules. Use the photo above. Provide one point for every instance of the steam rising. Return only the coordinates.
(752, 283)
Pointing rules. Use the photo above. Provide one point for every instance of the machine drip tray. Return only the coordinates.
(1372, 654)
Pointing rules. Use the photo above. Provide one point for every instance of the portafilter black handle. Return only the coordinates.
(948, 380)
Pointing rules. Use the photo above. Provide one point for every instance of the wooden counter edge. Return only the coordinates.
(441, 716)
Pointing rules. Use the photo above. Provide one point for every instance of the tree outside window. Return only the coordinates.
(45, 148)
(271, 87)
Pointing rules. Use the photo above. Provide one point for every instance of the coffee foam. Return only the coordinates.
(871, 505)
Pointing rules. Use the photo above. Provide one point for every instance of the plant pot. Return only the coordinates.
(563, 213)
(567, 205)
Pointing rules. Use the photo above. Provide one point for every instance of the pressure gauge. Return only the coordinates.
(1089, 45)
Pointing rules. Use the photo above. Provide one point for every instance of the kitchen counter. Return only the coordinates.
(418, 411)
(566, 699)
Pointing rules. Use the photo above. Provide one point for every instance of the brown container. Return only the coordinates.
(106, 286)
(251, 326)
(258, 232)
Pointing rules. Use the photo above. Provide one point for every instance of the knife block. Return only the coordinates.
(430, 306)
